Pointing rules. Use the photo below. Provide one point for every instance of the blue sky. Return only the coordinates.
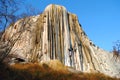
(100, 19)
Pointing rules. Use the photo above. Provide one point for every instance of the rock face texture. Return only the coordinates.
(57, 34)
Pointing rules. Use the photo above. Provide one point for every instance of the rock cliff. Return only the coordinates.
(57, 34)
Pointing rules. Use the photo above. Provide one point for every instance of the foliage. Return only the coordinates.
(36, 71)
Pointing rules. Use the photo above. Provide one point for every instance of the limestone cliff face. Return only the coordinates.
(57, 34)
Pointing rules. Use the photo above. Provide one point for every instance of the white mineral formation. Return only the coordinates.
(57, 34)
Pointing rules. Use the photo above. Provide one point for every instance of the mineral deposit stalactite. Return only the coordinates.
(57, 34)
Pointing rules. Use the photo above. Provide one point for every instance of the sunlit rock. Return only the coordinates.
(57, 34)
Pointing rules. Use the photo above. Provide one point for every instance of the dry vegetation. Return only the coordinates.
(49, 71)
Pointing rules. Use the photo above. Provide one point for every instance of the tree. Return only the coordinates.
(12, 10)
(117, 46)
(116, 49)
(8, 8)
(9, 13)
(30, 10)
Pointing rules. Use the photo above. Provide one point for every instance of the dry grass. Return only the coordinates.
(45, 71)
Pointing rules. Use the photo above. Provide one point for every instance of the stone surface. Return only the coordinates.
(57, 34)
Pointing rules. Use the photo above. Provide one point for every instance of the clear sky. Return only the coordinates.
(100, 19)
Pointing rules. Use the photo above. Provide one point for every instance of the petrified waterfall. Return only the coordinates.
(57, 34)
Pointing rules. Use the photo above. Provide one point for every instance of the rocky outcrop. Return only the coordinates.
(57, 34)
